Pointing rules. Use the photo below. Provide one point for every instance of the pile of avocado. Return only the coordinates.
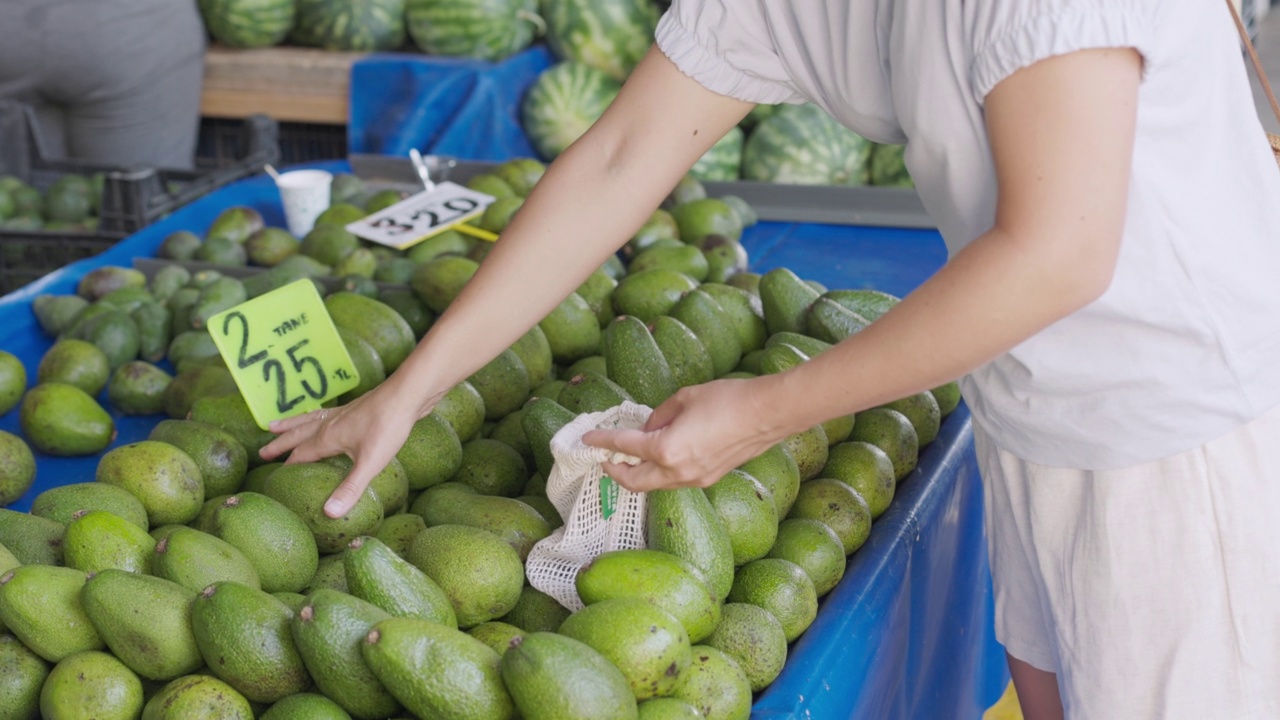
(189, 579)
(69, 204)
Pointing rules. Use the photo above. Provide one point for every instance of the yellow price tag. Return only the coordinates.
(284, 352)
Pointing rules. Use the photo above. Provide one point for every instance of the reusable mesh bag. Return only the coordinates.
(599, 515)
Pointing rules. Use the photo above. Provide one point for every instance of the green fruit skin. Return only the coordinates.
(685, 354)
(436, 671)
(305, 487)
(276, 542)
(782, 588)
(892, 432)
(786, 300)
(463, 409)
(515, 523)
(221, 458)
(164, 478)
(481, 574)
(197, 696)
(145, 621)
(377, 575)
(397, 531)
(22, 674)
(839, 507)
(328, 633)
(683, 523)
(64, 420)
(590, 392)
(305, 706)
(810, 450)
(536, 611)
(492, 467)
(496, 635)
(75, 362)
(649, 645)
(42, 606)
(503, 384)
(554, 677)
(636, 363)
(195, 560)
(439, 280)
(777, 470)
(747, 513)
(715, 685)
(754, 639)
(17, 468)
(330, 574)
(814, 547)
(244, 637)
(924, 412)
(98, 540)
(32, 539)
(91, 684)
(572, 329)
(714, 328)
(541, 420)
(659, 578)
(831, 322)
(865, 468)
(60, 503)
(668, 708)
(651, 293)
(137, 388)
(378, 324)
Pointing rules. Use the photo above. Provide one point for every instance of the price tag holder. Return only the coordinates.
(284, 352)
(417, 218)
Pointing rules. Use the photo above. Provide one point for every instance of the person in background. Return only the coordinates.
(1112, 210)
(114, 82)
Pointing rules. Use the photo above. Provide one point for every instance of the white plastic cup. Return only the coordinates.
(305, 194)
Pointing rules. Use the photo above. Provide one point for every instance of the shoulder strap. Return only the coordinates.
(1253, 56)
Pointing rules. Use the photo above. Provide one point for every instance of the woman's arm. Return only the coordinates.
(1061, 134)
(589, 202)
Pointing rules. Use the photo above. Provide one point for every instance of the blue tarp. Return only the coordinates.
(906, 633)
(467, 109)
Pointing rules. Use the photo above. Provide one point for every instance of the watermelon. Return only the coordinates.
(757, 116)
(888, 168)
(609, 35)
(358, 25)
(723, 161)
(563, 102)
(248, 23)
(483, 29)
(803, 145)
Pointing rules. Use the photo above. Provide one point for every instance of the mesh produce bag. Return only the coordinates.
(599, 515)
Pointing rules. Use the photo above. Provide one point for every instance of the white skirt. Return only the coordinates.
(1152, 591)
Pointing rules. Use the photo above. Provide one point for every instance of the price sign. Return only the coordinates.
(417, 218)
(284, 352)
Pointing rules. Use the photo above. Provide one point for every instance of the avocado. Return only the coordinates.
(636, 363)
(510, 432)
(219, 295)
(42, 606)
(91, 682)
(785, 299)
(668, 708)
(304, 488)
(715, 685)
(305, 706)
(656, 577)
(684, 353)
(593, 363)
(597, 290)
(96, 540)
(590, 392)
(197, 697)
(102, 280)
(180, 245)
(815, 548)
(948, 397)
(390, 486)
(499, 214)
(398, 531)
(683, 523)
(413, 310)
(269, 246)
(64, 420)
(55, 313)
(193, 384)
(437, 671)
(231, 413)
(22, 674)
(329, 632)
(221, 251)
(747, 512)
(449, 242)
(275, 541)
(235, 223)
(572, 329)
(77, 363)
(651, 293)
(127, 299)
(164, 478)
(463, 409)
(659, 226)
(810, 450)
(244, 637)
(754, 639)
(541, 420)
(431, 454)
(137, 388)
(554, 677)
(924, 412)
(534, 350)
(892, 432)
(782, 588)
(865, 468)
(481, 574)
(340, 214)
(17, 468)
(649, 645)
(745, 312)
(195, 559)
(713, 326)
(32, 539)
(368, 365)
(496, 635)
(377, 575)
(377, 324)
(839, 507)
(536, 611)
(492, 468)
(167, 281)
(503, 384)
(438, 281)
(221, 458)
(725, 257)
(828, 320)
(704, 217)
(255, 479)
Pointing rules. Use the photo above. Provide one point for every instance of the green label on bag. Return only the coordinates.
(608, 496)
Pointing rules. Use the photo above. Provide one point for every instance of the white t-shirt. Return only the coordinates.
(1185, 345)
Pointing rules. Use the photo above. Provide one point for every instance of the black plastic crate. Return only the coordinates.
(132, 198)
(299, 142)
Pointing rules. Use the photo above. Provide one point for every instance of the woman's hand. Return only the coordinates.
(695, 437)
(370, 430)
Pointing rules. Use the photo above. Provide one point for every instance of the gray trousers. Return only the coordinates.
(112, 81)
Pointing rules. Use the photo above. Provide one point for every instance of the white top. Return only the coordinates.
(1185, 345)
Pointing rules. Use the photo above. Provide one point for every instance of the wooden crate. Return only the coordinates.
(288, 83)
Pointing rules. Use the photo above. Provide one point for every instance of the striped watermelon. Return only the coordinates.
(609, 35)
(723, 161)
(248, 23)
(888, 168)
(484, 29)
(563, 102)
(803, 145)
(361, 25)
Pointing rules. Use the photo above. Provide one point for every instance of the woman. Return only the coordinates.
(1102, 181)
